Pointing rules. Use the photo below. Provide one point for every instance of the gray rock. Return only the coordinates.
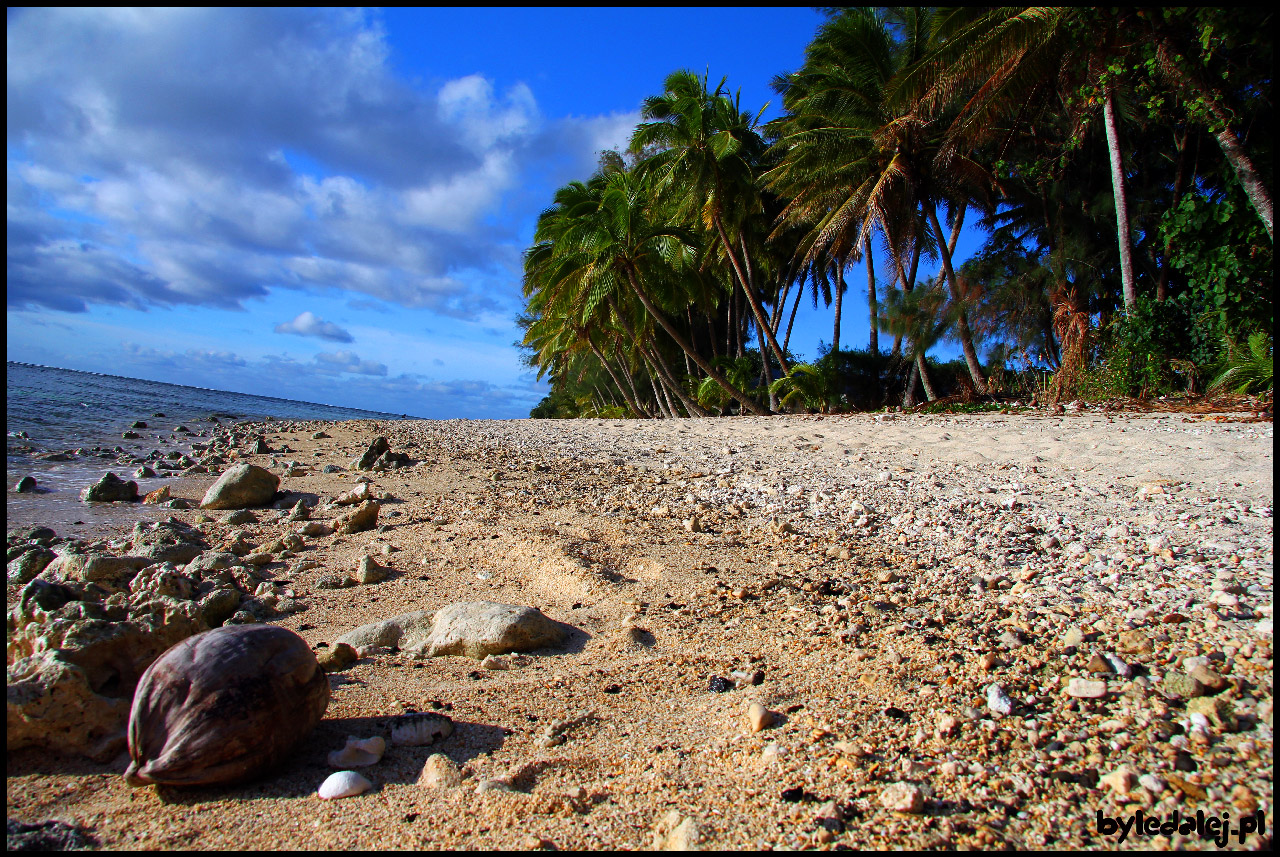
(370, 571)
(240, 487)
(364, 517)
(406, 631)
(219, 606)
(104, 568)
(30, 563)
(169, 540)
(479, 628)
(1182, 686)
(25, 485)
(109, 489)
(376, 449)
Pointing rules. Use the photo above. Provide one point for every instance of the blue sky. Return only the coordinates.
(328, 205)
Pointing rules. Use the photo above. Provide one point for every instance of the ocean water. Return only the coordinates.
(60, 410)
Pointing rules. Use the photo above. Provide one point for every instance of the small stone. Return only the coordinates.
(337, 658)
(334, 581)
(998, 702)
(948, 727)
(1219, 711)
(1083, 688)
(1135, 643)
(25, 485)
(718, 684)
(370, 571)
(440, 772)
(1098, 664)
(160, 495)
(1182, 686)
(675, 832)
(902, 797)
(758, 717)
(1121, 780)
(1210, 679)
(1074, 636)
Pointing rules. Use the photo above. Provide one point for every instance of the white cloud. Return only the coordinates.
(309, 324)
(209, 156)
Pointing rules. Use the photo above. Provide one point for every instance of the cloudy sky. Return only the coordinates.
(323, 205)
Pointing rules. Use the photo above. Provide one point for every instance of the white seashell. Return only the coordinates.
(358, 753)
(415, 730)
(344, 784)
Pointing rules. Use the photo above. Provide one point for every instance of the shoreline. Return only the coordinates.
(982, 542)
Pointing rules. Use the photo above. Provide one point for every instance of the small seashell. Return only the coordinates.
(415, 730)
(343, 784)
(358, 753)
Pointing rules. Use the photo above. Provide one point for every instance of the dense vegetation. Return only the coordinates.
(1117, 160)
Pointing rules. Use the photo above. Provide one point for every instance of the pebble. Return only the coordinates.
(759, 717)
(1210, 679)
(1083, 688)
(998, 702)
(902, 797)
(1182, 686)
(440, 772)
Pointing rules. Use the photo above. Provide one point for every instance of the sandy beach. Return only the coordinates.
(866, 579)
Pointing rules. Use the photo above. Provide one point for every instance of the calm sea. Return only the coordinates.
(62, 410)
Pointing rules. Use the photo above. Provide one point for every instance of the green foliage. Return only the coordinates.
(741, 372)
(812, 386)
(961, 407)
(1248, 369)
(1224, 252)
(1155, 349)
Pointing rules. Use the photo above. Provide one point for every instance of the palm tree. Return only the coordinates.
(854, 160)
(598, 242)
(706, 150)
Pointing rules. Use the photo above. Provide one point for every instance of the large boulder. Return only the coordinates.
(108, 489)
(480, 628)
(73, 663)
(406, 631)
(240, 487)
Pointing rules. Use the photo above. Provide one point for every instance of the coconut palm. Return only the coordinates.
(704, 151)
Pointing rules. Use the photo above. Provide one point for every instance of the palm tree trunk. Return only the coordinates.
(1162, 284)
(749, 290)
(909, 398)
(924, 378)
(635, 408)
(1122, 201)
(962, 322)
(626, 373)
(1246, 172)
(697, 358)
(664, 371)
(657, 397)
(873, 305)
(791, 323)
(766, 369)
(835, 334)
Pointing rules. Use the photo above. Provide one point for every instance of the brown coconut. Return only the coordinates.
(224, 706)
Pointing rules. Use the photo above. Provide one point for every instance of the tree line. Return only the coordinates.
(1117, 161)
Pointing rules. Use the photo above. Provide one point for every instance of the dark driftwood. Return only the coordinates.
(224, 706)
